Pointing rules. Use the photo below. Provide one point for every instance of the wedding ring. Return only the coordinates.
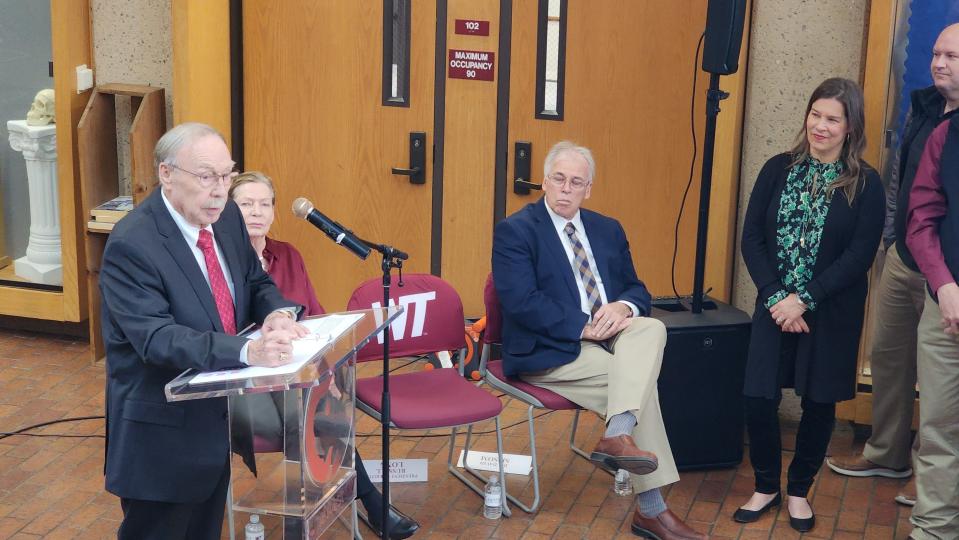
(779, 320)
(282, 357)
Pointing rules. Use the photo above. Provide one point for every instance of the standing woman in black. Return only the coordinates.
(811, 232)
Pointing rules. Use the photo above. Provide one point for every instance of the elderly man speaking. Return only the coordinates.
(178, 278)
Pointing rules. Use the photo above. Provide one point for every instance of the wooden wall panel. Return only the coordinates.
(315, 123)
(629, 69)
(201, 63)
(469, 164)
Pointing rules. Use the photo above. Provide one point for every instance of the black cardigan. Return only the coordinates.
(825, 368)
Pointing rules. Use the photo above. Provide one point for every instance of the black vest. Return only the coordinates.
(925, 114)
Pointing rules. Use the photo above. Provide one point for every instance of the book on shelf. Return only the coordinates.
(94, 225)
(113, 210)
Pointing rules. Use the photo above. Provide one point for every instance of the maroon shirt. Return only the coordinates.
(927, 207)
(286, 267)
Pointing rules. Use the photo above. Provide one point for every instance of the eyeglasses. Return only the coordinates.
(209, 178)
(575, 182)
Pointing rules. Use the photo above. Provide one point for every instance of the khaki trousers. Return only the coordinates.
(609, 384)
(936, 514)
(902, 294)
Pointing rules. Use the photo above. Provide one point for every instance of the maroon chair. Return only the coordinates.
(533, 396)
(432, 321)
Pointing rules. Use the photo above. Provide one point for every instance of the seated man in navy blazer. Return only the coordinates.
(575, 322)
(179, 277)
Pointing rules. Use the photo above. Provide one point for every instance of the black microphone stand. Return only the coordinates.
(392, 258)
(713, 96)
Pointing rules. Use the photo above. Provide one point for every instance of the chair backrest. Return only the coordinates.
(494, 317)
(432, 319)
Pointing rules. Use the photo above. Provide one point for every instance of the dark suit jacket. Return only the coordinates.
(159, 318)
(542, 316)
(825, 366)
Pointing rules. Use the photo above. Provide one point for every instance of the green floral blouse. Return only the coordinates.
(803, 207)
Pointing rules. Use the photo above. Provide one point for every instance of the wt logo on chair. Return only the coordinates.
(398, 326)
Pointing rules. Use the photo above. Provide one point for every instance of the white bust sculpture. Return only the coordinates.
(42, 111)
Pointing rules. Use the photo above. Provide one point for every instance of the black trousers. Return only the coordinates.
(150, 520)
(765, 440)
(765, 444)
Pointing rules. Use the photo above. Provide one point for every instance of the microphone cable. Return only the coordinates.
(23, 431)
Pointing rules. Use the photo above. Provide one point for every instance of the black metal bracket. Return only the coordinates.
(417, 170)
(522, 168)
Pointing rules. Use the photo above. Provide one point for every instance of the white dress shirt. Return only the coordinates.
(559, 223)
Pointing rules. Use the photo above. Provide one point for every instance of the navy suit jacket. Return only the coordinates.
(542, 315)
(159, 319)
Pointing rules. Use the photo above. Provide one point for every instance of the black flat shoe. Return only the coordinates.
(803, 524)
(748, 516)
(401, 525)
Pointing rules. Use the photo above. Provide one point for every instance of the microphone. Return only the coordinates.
(303, 208)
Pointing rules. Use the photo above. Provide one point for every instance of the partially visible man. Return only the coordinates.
(902, 289)
(574, 322)
(933, 237)
(178, 278)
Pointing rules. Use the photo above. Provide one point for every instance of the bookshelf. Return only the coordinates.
(100, 174)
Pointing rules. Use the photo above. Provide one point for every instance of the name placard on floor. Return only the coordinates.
(401, 470)
(487, 461)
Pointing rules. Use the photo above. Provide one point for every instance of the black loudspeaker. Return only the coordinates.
(724, 36)
(701, 383)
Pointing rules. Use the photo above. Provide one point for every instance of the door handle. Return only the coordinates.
(417, 168)
(522, 159)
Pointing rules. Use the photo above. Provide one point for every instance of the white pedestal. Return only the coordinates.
(42, 264)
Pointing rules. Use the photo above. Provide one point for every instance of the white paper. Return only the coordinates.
(401, 470)
(323, 332)
(488, 461)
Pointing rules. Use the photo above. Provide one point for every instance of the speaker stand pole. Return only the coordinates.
(713, 96)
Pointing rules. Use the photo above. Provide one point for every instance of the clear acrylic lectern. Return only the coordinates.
(298, 423)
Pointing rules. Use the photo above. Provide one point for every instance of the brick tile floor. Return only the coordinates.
(53, 487)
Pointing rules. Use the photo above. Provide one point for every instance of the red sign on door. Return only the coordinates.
(475, 65)
(472, 27)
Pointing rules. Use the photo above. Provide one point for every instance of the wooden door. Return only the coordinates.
(316, 123)
(627, 89)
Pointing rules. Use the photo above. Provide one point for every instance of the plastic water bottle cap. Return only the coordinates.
(254, 518)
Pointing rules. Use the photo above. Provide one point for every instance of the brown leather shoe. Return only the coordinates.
(858, 465)
(620, 452)
(665, 526)
(907, 495)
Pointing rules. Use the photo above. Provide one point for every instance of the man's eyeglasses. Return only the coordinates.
(575, 182)
(207, 179)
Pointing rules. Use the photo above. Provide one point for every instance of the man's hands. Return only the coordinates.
(275, 347)
(787, 313)
(609, 320)
(948, 296)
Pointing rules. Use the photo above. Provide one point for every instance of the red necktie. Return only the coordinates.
(221, 293)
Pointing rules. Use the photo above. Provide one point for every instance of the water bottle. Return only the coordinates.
(622, 484)
(492, 507)
(254, 529)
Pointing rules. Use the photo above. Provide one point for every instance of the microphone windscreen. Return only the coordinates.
(302, 207)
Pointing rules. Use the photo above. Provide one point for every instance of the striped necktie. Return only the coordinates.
(585, 273)
(221, 292)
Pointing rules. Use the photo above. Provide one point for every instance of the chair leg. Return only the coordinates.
(532, 444)
(576, 449)
(356, 523)
(504, 496)
(451, 467)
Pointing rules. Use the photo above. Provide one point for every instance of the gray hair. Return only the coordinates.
(172, 141)
(563, 147)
